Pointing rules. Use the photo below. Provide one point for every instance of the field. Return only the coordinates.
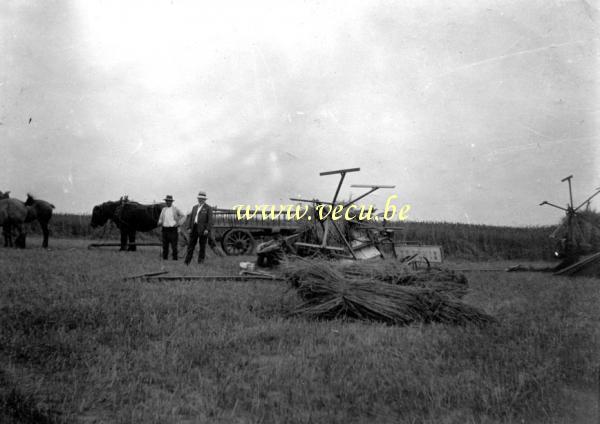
(480, 242)
(79, 344)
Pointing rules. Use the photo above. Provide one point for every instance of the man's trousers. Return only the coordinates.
(169, 237)
(201, 239)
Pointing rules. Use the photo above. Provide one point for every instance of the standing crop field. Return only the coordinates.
(79, 344)
(464, 241)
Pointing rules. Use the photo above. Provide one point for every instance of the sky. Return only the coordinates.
(474, 110)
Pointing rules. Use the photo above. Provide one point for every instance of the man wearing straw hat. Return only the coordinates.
(169, 220)
(199, 226)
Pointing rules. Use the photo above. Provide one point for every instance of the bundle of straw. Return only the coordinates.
(328, 293)
(393, 272)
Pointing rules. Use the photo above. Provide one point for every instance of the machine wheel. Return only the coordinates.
(238, 242)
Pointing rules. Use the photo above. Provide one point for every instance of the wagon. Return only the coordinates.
(238, 237)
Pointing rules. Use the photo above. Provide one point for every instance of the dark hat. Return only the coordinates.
(169, 198)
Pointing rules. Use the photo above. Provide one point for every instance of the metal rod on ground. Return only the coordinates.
(119, 244)
(213, 278)
(148, 274)
(480, 270)
(579, 265)
(258, 274)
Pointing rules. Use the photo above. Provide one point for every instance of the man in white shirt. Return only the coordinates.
(169, 220)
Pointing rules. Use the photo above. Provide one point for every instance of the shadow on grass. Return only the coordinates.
(17, 408)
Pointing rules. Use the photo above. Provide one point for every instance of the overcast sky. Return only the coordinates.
(475, 110)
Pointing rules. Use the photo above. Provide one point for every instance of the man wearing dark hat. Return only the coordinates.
(169, 220)
(200, 225)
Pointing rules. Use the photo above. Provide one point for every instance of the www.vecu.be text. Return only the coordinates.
(324, 211)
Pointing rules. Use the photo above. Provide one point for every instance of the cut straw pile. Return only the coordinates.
(393, 272)
(331, 291)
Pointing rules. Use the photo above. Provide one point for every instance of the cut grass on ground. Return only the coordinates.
(78, 344)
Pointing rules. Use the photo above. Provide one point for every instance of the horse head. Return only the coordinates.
(41, 209)
(102, 213)
(30, 200)
(156, 209)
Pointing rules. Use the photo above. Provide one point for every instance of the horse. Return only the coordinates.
(42, 211)
(129, 217)
(13, 213)
(6, 228)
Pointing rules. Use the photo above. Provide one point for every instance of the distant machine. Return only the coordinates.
(570, 235)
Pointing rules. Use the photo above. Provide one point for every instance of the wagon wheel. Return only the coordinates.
(238, 242)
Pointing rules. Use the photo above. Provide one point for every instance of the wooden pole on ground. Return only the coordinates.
(148, 274)
(213, 278)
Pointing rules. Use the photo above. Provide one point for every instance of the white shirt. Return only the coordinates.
(169, 216)
(198, 213)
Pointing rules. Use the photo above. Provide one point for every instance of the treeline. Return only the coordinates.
(457, 240)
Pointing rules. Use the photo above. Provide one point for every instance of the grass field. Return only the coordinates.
(78, 344)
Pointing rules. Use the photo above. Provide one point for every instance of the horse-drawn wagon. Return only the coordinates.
(236, 236)
(239, 236)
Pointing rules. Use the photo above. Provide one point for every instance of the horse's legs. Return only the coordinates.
(7, 232)
(11, 233)
(123, 240)
(44, 226)
(20, 241)
(132, 246)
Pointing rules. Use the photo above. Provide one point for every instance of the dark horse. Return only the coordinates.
(129, 217)
(42, 211)
(35, 210)
(6, 227)
(12, 214)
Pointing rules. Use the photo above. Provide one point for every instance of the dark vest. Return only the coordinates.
(204, 218)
